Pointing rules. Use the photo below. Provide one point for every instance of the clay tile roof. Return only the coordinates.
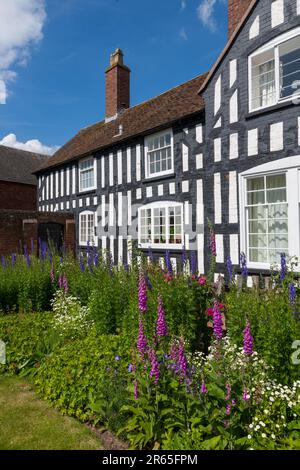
(227, 46)
(179, 102)
(17, 166)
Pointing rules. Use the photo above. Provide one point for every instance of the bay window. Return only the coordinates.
(161, 225)
(87, 224)
(274, 71)
(269, 212)
(159, 154)
(87, 174)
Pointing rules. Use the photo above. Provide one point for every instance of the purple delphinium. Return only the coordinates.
(28, 260)
(243, 263)
(229, 268)
(117, 358)
(292, 294)
(154, 373)
(141, 341)
(194, 268)
(130, 368)
(3, 261)
(168, 262)
(89, 260)
(142, 294)
(13, 259)
(150, 254)
(203, 389)
(217, 322)
(161, 324)
(32, 245)
(81, 264)
(248, 340)
(283, 269)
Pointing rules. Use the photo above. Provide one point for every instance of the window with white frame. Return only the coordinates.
(161, 225)
(87, 228)
(269, 212)
(267, 215)
(274, 71)
(87, 174)
(159, 156)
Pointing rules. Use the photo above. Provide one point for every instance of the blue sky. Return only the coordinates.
(52, 67)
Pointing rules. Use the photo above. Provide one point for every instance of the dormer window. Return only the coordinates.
(159, 155)
(274, 72)
(87, 174)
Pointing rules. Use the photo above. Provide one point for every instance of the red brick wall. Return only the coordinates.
(236, 10)
(117, 89)
(19, 228)
(18, 196)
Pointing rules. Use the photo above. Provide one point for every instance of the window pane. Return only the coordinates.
(256, 198)
(289, 59)
(275, 181)
(160, 154)
(263, 79)
(267, 223)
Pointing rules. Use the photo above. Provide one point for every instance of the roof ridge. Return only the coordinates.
(82, 129)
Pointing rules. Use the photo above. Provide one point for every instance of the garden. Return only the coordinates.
(164, 360)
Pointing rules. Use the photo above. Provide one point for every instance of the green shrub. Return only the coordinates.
(28, 339)
(84, 377)
(273, 325)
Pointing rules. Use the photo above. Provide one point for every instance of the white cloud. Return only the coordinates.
(183, 4)
(21, 25)
(31, 145)
(205, 13)
(2, 92)
(183, 34)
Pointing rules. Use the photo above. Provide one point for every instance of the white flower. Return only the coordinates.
(263, 435)
(249, 436)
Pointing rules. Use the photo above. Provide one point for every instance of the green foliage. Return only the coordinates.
(28, 339)
(23, 288)
(273, 326)
(75, 379)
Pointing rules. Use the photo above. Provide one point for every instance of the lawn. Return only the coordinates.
(28, 423)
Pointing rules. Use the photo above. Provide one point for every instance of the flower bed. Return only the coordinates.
(165, 360)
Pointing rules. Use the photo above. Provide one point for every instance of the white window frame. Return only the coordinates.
(161, 205)
(94, 186)
(94, 242)
(147, 163)
(274, 44)
(291, 167)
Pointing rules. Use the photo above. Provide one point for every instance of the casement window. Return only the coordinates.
(269, 212)
(159, 155)
(161, 225)
(87, 226)
(274, 71)
(87, 174)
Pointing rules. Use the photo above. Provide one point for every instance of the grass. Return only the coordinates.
(28, 423)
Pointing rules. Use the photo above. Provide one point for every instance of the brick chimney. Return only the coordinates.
(236, 10)
(117, 85)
